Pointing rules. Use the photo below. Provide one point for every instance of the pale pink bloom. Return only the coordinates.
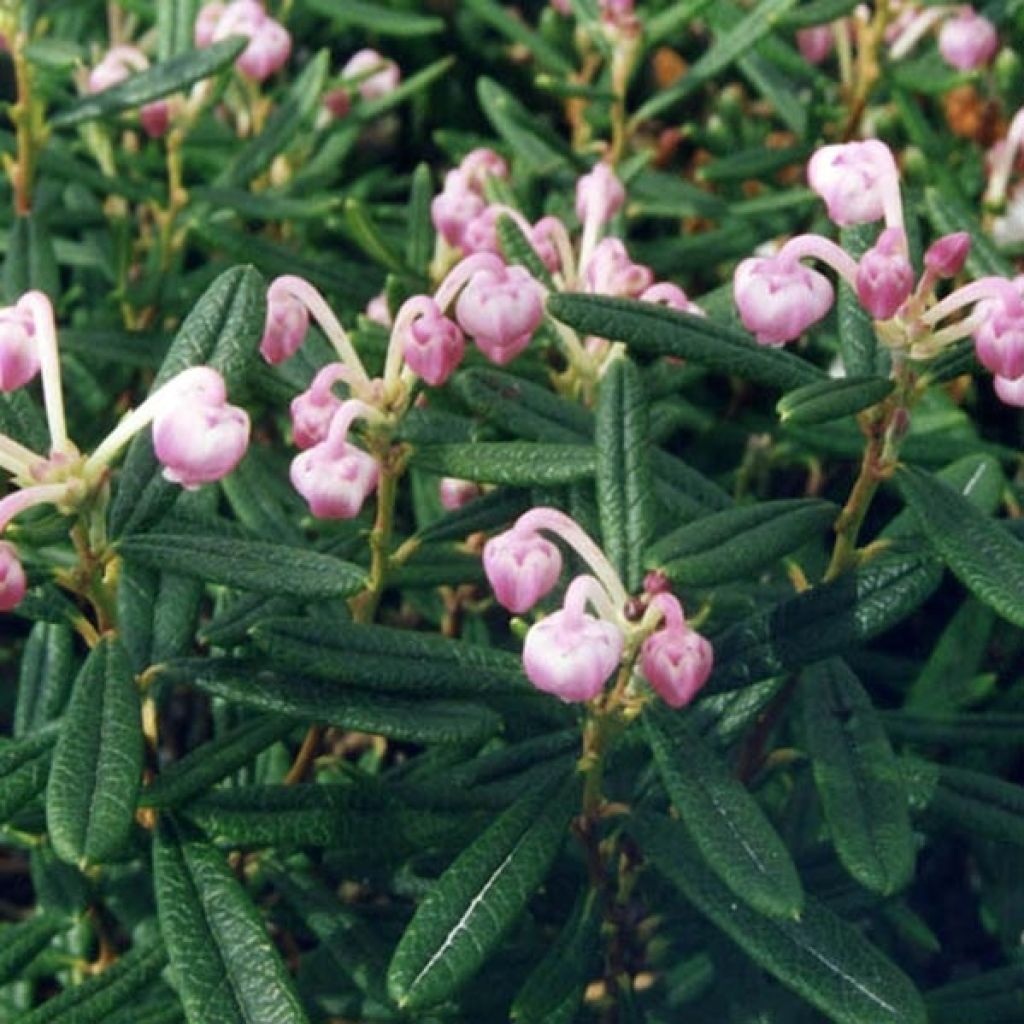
(779, 299)
(433, 345)
(500, 308)
(599, 195)
(522, 567)
(999, 341)
(543, 237)
(676, 660)
(377, 310)
(269, 45)
(664, 293)
(885, 277)
(1010, 391)
(453, 209)
(859, 182)
(380, 83)
(285, 327)
(480, 164)
(968, 41)
(610, 271)
(481, 233)
(19, 351)
(206, 23)
(454, 493)
(947, 255)
(13, 583)
(313, 410)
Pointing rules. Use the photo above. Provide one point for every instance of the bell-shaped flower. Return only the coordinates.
(270, 43)
(480, 164)
(433, 345)
(1010, 391)
(859, 182)
(779, 299)
(664, 293)
(967, 40)
(571, 653)
(13, 583)
(522, 567)
(500, 308)
(374, 86)
(885, 277)
(610, 271)
(599, 195)
(676, 660)
(206, 23)
(454, 208)
(285, 327)
(999, 340)
(19, 351)
(198, 441)
(313, 410)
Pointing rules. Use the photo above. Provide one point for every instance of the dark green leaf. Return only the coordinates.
(520, 464)
(162, 79)
(858, 777)
(540, 151)
(821, 957)
(518, 249)
(97, 763)
(650, 329)
(956, 731)
(731, 831)
(740, 541)
(471, 906)
(21, 943)
(24, 769)
(832, 399)
(517, 31)
(377, 18)
(44, 677)
(226, 966)
(419, 246)
(30, 261)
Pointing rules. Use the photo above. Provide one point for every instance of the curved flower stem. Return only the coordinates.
(460, 275)
(16, 458)
(41, 311)
(916, 30)
(411, 309)
(985, 288)
(27, 497)
(820, 248)
(584, 590)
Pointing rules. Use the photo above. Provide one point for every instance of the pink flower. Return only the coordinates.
(433, 345)
(285, 327)
(377, 310)
(206, 24)
(947, 255)
(572, 654)
(666, 294)
(522, 567)
(336, 477)
(12, 578)
(968, 41)
(481, 233)
(885, 277)
(314, 409)
(543, 236)
(19, 352)
(453, 209)
(999, 341)
(197, 436)
(599, 195)
(270, 44)
(480, 164)
(381, 82)
(676, 660)
(155, 118)
(500, 308)
(454, 493)
(1010, 391)
(859, 182)
(610, 271)
(779, 299)
(815, 44)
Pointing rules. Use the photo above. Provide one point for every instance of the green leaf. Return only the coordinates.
(376, 18)
(96, 999)
(518, 31)
(371, 110)
(396, 660)
(983, 555)
(830, 619)
(223, 330)
(419, 245)
(979, 729)
(289, 117)
(365, 233)
(162, 79)
(816, 12)
(540, 151)
(993, 997)
(949, 211)
(175, 24)
(480, 515)
(24, 769)
(209, 763)
(832, 399)
(738, 542)
(21, 943)
(858, 778)
(518, 249)
(247, 564)
(731, 831)
(473, 904)
(227, 968)
(520, 464)
(562, 975)
(97, 763)
(44, 677)
(654, 330)
(30, 261)
(820, 957)
(417, 721)
(728, 47)
(624, 483)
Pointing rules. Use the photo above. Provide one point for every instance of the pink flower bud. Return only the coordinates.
(947, 255)
(572, 654)
(455, 208)
(677, 663)
(155, 118)
(968, 41)
(1010, 391)
(779, 299)
(500, 309)
(206, 24)
(620, 14)
(433, 346)
(479, 164)
(285, 327)
(542, 238)
(377, 85)
(19, 353)
(377, 310)
(999, 341)
(338, 102)
(267, 52)
(885, 277)
(119, 63)
(610, 271)
(481, 233)
(666, 294)
(815, 44)
(853, 178)
(563, 7)
(522, 567)
(314, 409)
(200, 438)
(239, 18)
(455, 493)
(599, 195)
(12, 578)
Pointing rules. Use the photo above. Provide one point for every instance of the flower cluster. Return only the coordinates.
(573, 653)
(197, 436)
(270, 43)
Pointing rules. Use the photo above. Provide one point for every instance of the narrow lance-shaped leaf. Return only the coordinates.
(516, 463)
(44, 677)
(226, 966)
(982, 554)
(731, 831)
(97, 763)
(21, 943)
(858, 777)
(832, 399)
(821, 957)
(24, 769)
(466, 913)
(31, 261)
(625, 494)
